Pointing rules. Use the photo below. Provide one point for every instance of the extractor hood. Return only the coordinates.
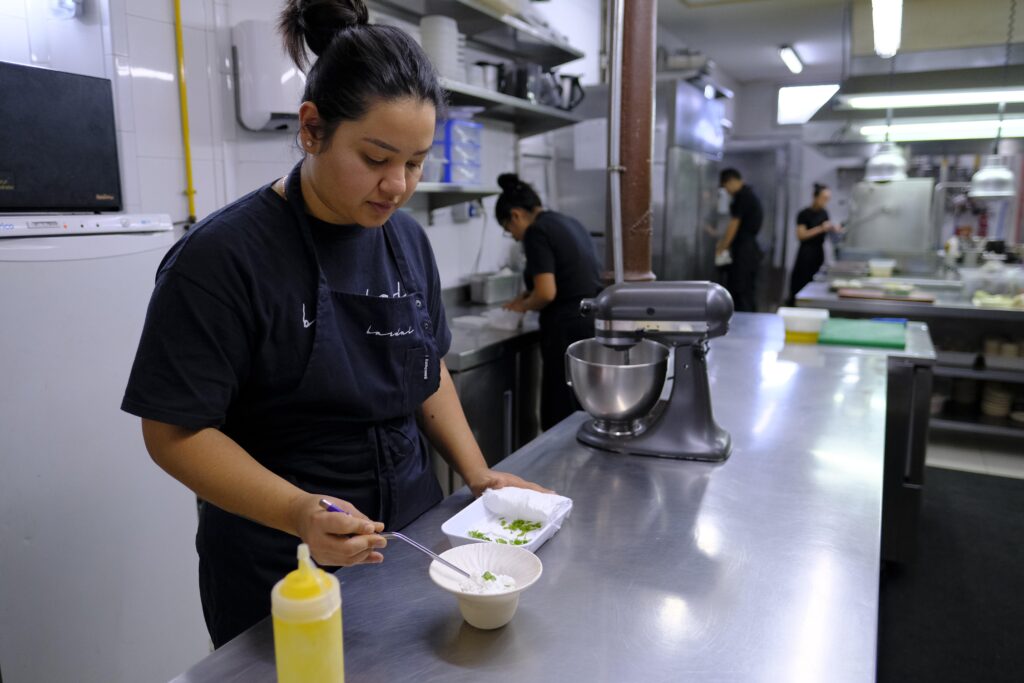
(841, 121)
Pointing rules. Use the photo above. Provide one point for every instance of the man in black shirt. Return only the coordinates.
(741, 241)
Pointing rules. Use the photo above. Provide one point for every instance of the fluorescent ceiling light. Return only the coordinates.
(791, 59)
(887, 22)
(938, 98)
(798, 103)
(944, 130)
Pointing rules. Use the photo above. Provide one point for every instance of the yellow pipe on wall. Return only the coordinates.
(190, 191)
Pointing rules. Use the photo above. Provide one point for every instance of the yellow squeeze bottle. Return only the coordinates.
(306, 609)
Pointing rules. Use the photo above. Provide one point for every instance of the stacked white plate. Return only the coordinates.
(996, 400)
(446, 47)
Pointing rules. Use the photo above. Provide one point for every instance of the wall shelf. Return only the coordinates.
(492, 30)
(440, 195)
(990, 427)
(528, 118)
(971, 373)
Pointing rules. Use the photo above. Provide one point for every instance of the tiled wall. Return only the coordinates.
(132, 43)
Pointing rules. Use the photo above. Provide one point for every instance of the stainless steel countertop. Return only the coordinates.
(474, 346)
(948, 304)
(763, 568)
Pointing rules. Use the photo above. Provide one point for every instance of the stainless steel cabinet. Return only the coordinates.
(501, 399)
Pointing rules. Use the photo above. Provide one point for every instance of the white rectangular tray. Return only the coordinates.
(475, 515)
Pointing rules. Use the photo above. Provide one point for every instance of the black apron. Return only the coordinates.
(560, 325)
(347, 430)
(809, 259)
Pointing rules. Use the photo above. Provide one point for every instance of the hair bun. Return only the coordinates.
(317, 22)
(509, 182)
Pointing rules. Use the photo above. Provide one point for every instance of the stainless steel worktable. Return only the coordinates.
(949, 304)
(763, 568)
(475, 346)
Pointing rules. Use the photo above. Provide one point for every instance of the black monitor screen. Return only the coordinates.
(58, 142)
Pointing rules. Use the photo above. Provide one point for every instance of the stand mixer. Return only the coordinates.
(618, 376)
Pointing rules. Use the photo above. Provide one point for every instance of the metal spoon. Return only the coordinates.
(331, 507)
(414, 544)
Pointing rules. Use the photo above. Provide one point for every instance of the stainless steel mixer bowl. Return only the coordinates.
(611, 389)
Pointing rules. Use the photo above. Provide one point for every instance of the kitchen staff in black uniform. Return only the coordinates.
(812, 224)
(740, 240)
(294, 341)
(561, 269)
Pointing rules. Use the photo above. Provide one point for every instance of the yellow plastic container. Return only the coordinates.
(306, 609)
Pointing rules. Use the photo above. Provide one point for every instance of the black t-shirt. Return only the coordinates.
(747, 207)
(812, 218)
(231, 316)
(559, 244)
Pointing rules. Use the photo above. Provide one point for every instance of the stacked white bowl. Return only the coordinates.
(445, 46)
(996, 400)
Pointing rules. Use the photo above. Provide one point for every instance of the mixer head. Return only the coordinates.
(679, 312)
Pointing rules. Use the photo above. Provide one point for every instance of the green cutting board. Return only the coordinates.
(863, 333)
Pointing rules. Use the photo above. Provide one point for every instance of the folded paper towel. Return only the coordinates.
(516, 503)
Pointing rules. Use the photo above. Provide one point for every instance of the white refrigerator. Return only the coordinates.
(98, 568)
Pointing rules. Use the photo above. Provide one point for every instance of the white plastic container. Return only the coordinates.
(476, 516)
(881, 267)
(803, 325)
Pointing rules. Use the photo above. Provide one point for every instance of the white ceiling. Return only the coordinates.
(743, 36)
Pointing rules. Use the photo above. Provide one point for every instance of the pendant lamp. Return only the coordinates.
(887, 164)
(995, 180)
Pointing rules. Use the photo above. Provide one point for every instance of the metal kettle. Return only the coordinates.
(571, 93)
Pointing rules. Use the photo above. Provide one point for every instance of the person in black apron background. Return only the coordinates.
(561, 269)
(293, 346)
(740, 239)
(812, 224)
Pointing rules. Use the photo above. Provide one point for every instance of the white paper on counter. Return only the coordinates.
(516, 503)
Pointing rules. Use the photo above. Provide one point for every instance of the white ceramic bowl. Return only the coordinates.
(493, 610)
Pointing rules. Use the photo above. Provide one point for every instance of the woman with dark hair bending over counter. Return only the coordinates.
(561, 269)
(812, 224)
(294, 344)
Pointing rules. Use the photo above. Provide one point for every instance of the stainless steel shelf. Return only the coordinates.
(440, 195)
(971, 373)
(991, 427)
(528, 118)
(492, 30)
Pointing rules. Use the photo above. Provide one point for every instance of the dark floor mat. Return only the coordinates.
(957, 612)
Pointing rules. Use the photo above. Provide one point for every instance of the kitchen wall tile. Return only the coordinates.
(274, 147)
(194, 13)
(197, 79)
(14, 40)
(12, 8)
(77, 45)
(155, 88)
(127, 153)
(124, 102)
(162, 186)
(251, 175)
(116, 17)
(204, 178)
(222, 31)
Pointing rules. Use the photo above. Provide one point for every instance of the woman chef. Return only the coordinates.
(812, 224)
(561, 269)
(293, 346)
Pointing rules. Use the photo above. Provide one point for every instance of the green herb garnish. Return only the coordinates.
(501, 541)
(489, 577)
(520, 541)
(479, 535)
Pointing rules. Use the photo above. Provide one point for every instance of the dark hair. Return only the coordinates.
(728, 174)
(515, 194)
(357, 62)
(818, 188)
